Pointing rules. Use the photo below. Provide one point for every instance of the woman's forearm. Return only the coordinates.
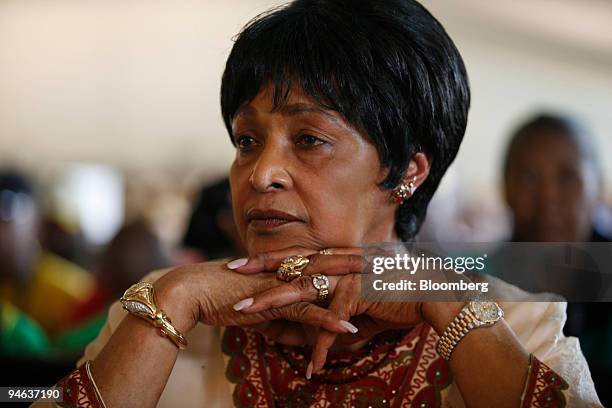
(489, 365)
(133, 367)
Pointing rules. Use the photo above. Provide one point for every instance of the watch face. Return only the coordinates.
(487, 311)
(320, 281)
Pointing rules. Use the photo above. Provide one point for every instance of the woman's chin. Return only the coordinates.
(274, 240)
(269, 245)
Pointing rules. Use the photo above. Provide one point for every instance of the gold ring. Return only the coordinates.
(321, 284)
(325, 252)
(291, 268)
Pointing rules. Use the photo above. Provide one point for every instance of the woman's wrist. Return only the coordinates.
(174, 297)
(440, 314)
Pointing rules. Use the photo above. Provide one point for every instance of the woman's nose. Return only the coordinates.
(270, 172)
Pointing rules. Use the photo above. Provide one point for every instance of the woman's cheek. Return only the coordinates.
(237, 190)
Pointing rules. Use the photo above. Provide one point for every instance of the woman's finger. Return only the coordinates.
(312, 315)
(298, 290)
(368, 328)
(325, 340)
(267, 261)
(341, 251)
(302, 312)
(343, 306)
(334, 265)
(282, 331)
(317, 263)
(341, 258)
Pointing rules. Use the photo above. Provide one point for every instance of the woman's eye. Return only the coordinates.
(245, 142)
(309, 141)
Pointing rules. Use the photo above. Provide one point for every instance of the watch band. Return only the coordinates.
(456, 330)
(466, 321)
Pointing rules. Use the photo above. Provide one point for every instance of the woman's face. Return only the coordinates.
(303, 176)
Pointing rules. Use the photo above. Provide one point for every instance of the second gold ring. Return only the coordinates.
(321, 284)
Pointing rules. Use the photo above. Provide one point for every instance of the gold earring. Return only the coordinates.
(412, 187)
(404, 191)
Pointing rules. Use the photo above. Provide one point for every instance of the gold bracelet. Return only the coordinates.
(93, 383)
(140, 300)
(79, 389)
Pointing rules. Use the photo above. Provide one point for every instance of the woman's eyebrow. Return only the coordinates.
(246, 110)
(301, 108)
(292, 109)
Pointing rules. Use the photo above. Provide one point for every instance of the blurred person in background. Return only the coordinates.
(553, 181)
(36, 287)
(554, 186)
(132, 253)
(64, 240)
(19, 333)
(212, 233)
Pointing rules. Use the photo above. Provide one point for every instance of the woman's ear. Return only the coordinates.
(418, 170)
(416, 174)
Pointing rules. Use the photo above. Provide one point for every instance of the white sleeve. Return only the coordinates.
(542, 335)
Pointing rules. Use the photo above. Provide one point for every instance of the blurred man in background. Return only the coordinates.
(554, 186)
(553, 181)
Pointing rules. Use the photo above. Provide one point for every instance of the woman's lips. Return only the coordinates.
(269, 219)
(268, 223)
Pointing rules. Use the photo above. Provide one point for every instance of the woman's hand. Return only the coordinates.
(208, 291)
(370, 312)
(196, 293)
(343, 261)
(344, 269)
(369, 317)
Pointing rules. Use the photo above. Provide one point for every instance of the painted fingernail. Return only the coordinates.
(243, 304)
(309, 371)
(237, 263)
(349, 326)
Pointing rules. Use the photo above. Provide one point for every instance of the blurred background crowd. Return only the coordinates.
(113, 154)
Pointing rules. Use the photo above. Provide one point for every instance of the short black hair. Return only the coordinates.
(387, 66)
(556, 124)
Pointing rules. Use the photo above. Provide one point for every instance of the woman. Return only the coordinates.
(345, 116)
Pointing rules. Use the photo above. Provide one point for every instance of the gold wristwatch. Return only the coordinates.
(478, 312)
(140, 300)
